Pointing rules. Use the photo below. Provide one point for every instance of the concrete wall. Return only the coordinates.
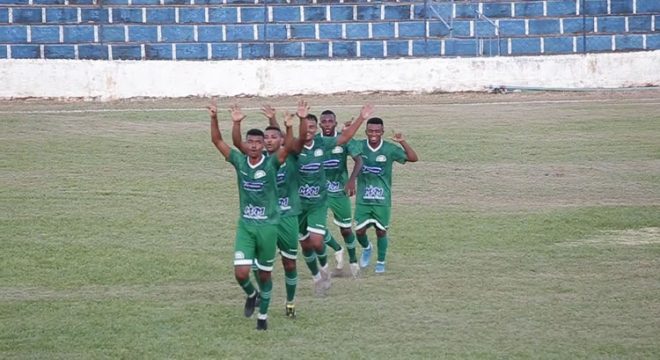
(108, 80)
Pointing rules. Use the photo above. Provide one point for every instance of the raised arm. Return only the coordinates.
(216, 136)
(411, 155)
(357, 166)
(349, 132)
(289, 141)
(236, 118)
(270, 114)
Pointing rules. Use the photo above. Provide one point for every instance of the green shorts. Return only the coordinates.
(366, 215)
(255, 243)
(312, 220)
(341, 210)
(287, 237)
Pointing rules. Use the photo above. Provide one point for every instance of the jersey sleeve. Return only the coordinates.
(274, 161)
(354, 148)
(398, 154)
(235, 157)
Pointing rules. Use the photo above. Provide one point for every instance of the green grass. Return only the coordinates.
(527, 230)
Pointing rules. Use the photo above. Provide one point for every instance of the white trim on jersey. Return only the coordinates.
(377, 148)
(341, 224)
(243, 262)
(370, 221)
(263, 157)
(261, 267)
(287, 255)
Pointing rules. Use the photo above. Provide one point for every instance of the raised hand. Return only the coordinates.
(213, 107)
(348, 123)
(288, 119)
(236, 113)
(303, 109)
(366, 111)
(268, 111)
(397, 137)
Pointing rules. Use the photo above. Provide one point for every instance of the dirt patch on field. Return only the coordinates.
(644, 236)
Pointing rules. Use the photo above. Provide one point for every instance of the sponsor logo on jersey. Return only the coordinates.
(318, 152)
(309, 192)
(281, 177)
(310, 168)
(338, 150)
(376, 170)
(253, 185)
(254, 212)
(259, 174)
(284, 203)
(334, 186)
(331, 164)
(381, 158)
(374, 193)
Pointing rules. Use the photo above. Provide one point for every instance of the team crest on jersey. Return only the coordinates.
(318, 152)
(338, 150)
(381, 158)
(239, 255)
(259, 174)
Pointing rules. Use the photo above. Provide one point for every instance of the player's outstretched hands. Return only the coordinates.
(303, 109)
(397, 137)
(213, 107)
(366, 111)
(268, 111)
(288, 119)
(236, 113)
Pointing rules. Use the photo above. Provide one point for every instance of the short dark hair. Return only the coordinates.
(328, 112)
(312, 117)
(276, 128)
(255, 132)
(375, 120)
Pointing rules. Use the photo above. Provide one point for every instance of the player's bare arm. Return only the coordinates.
(348, 133)
(350, 184)
(236, 117)
(288, 138)
(270, 114)
(216, 136)
(303, 109)
(410, 153)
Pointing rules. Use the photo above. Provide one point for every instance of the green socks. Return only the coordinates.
(363, 240)
(350, 246)
(247, 287)
(330, 241)
(266, 288)
(290, 282)
(310, 260)
(382, 248)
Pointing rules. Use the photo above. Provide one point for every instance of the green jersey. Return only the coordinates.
(336, 172)
(374, 183)
(287, 187)
(312, 187)
(257, 188)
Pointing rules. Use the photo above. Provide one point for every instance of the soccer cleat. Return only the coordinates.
(380, 267)
(262, 324)
(339, 257)
(290, 311)
(355, 270)
(319, 287)
(325, 277)
(366, 256)
(250, 303)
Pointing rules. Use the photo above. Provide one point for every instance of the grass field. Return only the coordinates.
(530, 228)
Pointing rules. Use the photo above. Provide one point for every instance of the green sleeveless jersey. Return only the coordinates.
(312, 187)
(257, 189)
(287, 187)
(336, 171)
(374, 183)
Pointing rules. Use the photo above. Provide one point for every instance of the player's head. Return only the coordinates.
(255, 142)
(374, 131)
(312, 126)
(273, 139)
(328, 123)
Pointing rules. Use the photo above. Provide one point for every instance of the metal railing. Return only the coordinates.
(480, 47)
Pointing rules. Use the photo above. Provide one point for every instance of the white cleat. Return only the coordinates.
(339, 258)
(325, 277)
(355, 270)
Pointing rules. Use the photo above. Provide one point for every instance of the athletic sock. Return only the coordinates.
(330, 241)
(363, 240)
(247, 287)
(350, 246)
(255, 272)
(266, 288)
(382, 248)
(322, 256)
(310, 260)
(290, 281)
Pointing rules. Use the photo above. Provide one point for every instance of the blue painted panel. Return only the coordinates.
(25, 52)
(372, 49)
(344, 49)
(330, 31)
(273, 32)
(111, 33)
(575, 25)
(621, 6)
(240, 32)
(3, 52)
(158, 51)
(161, 15)
(286, 14)
(61, 16)
(531, 9)
(59, 52)
(525, 46)
(426, 48)
(13, 34)
(438, 29)
(256, 51)
(561, 8)
(412, 29)
(143, 33)
(316, 50)
(94, 16)
(178, 33)
(460, 47)
(46, 34)
(558, 45)
(191, 52)
(253, 14)
(287, 50)
(315, 13)
(629, 42)
(484, 28)
(461, 28)
(126, 52)
(93, 52)
(145, 2)
(303, 31)
(341, 13)
(127, 15)
(397, 12)
(648, 6)
(368, 12)
(209, 33)
(611, 24)
(640, 23)
(397, 48)
(543, 26)
(223, 15)
(224, 51)
(357, 31)
(594, 7)
(653, 41)
(441, 9)
(191, 15)
(79, 34)
(382, 30)
(466, 10)
(497, 10)
(596, 43)
(26, 16)
(4, 16)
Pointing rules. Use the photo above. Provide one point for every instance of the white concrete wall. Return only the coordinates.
(108, 80)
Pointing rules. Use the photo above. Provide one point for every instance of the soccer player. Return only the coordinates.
(289, 201)
(374, 188)
(313, 191)
(256, 233)
(340, 188)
